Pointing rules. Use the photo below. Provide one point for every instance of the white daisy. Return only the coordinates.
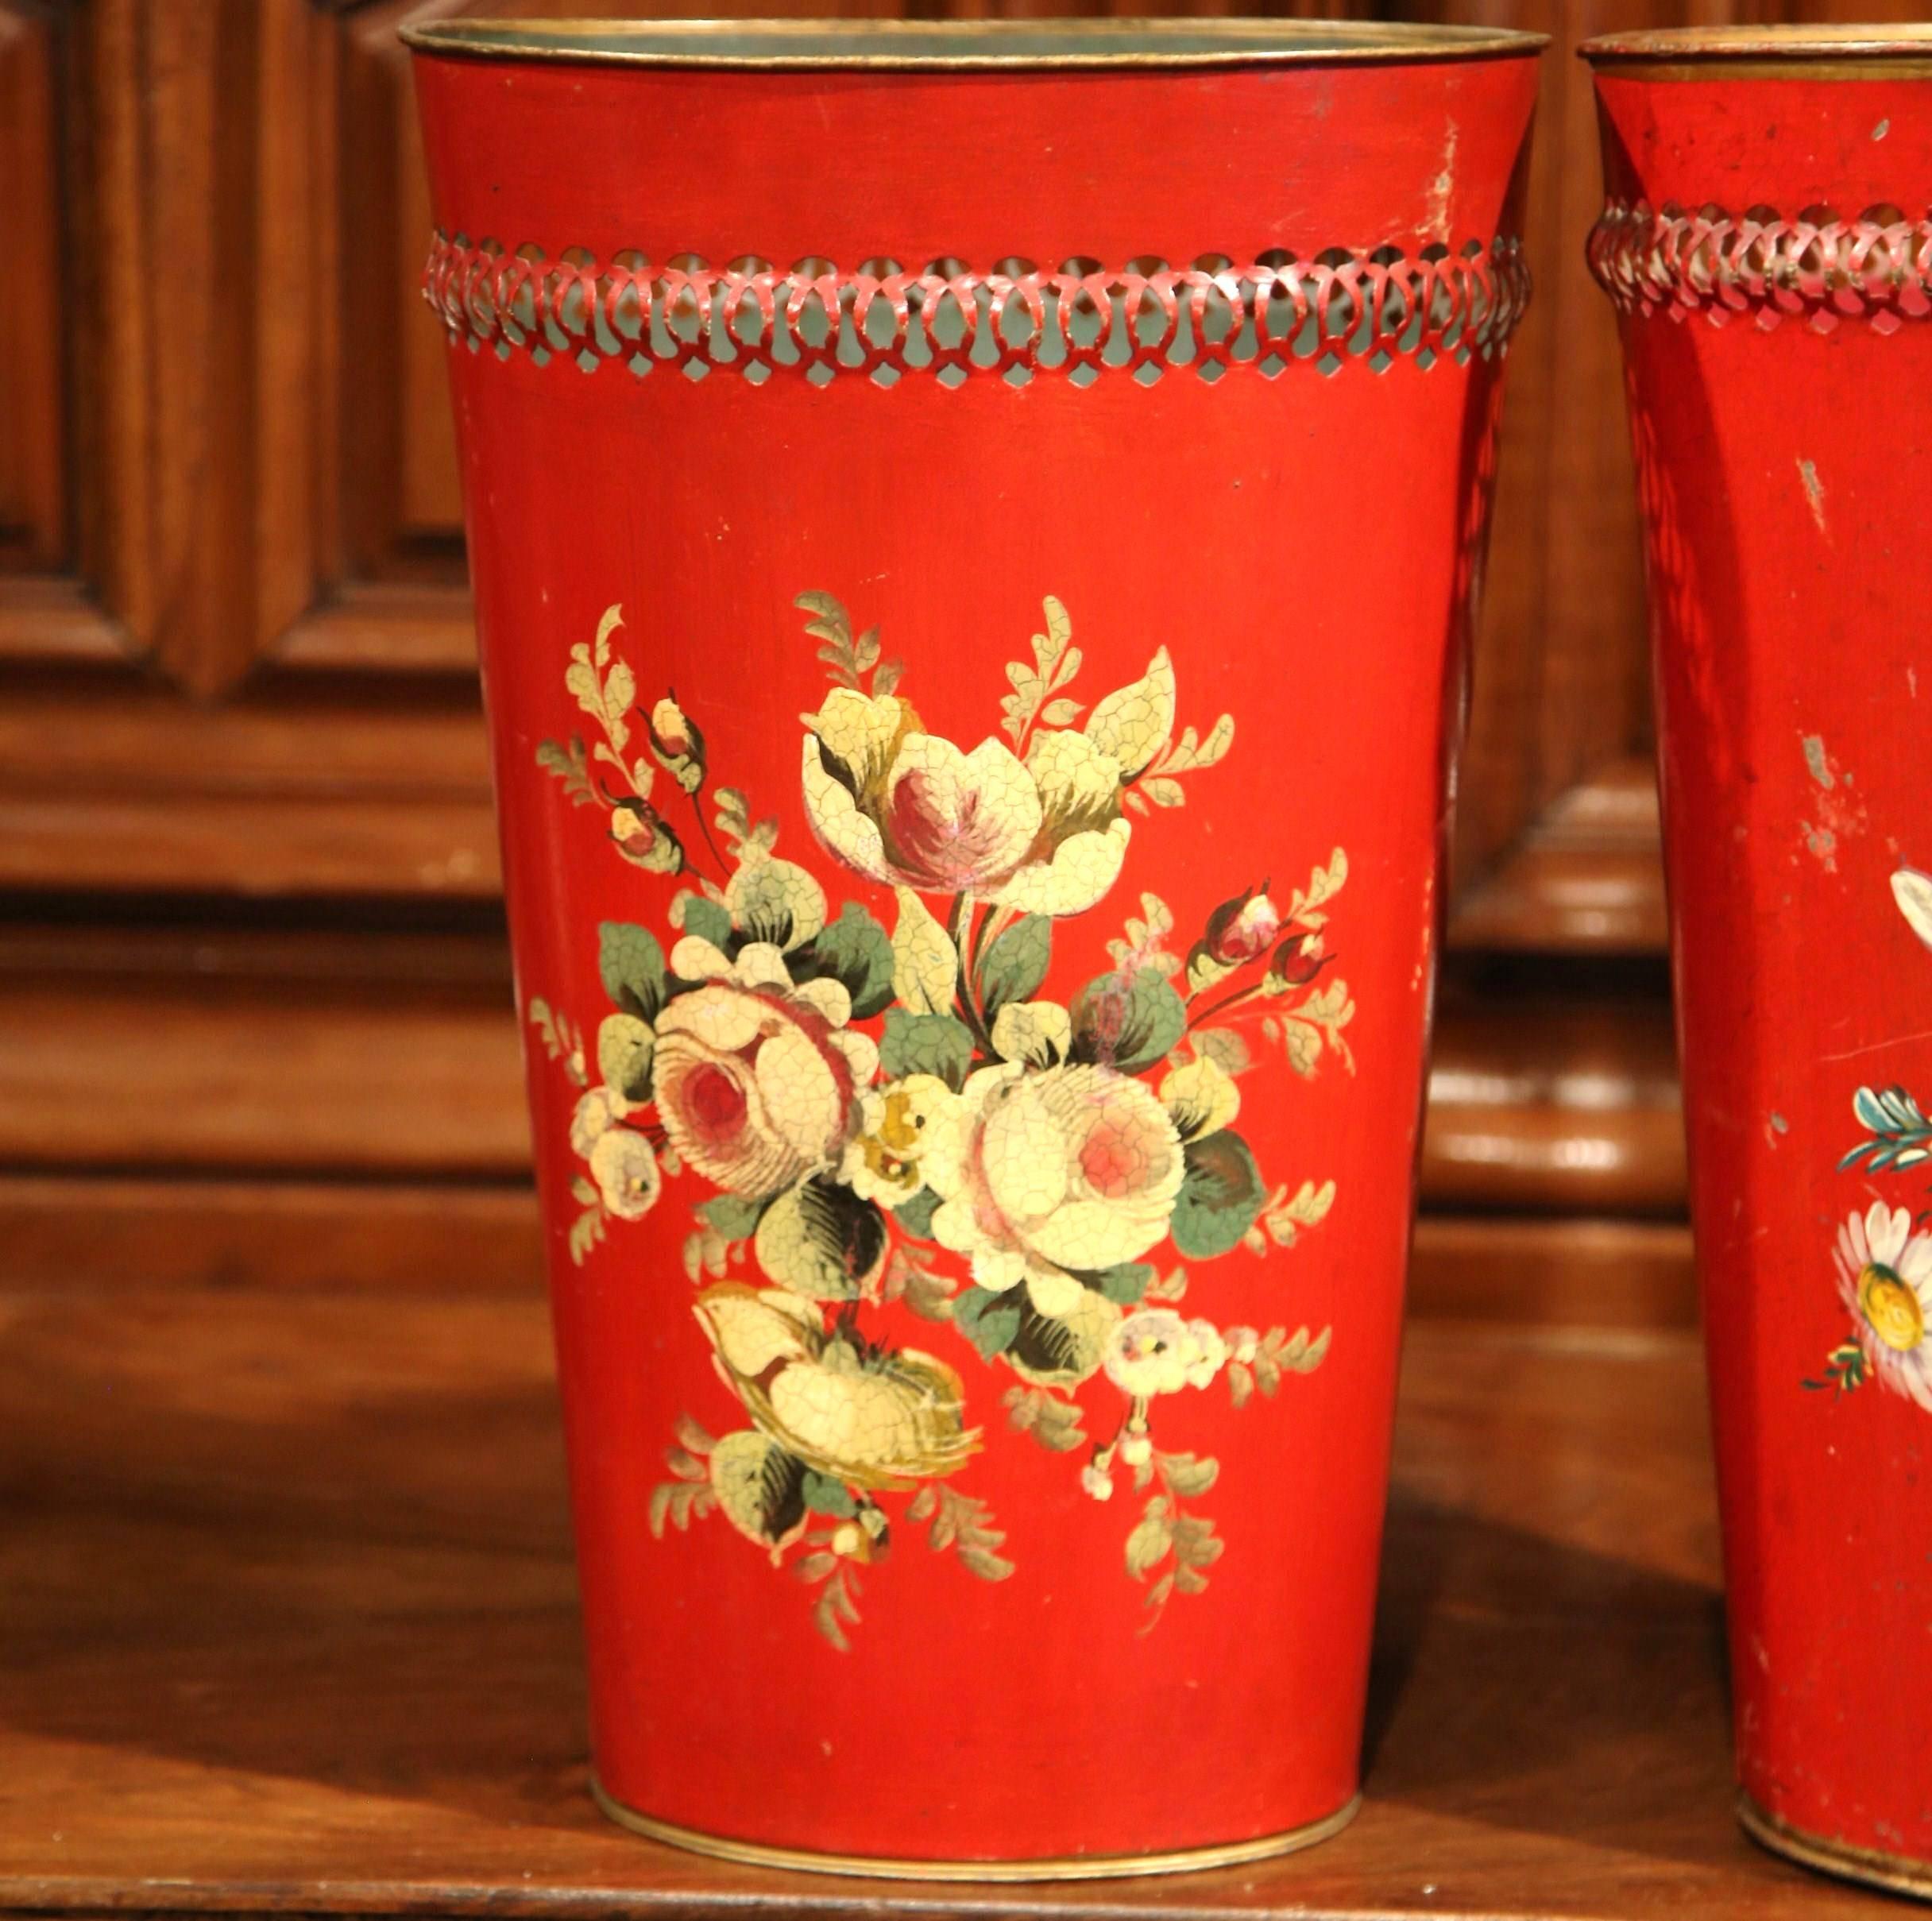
(1885, 1282)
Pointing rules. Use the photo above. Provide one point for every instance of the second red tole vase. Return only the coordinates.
(1767, 243)
(973, 530)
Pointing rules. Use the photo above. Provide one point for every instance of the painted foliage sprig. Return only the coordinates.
(1901, 1136)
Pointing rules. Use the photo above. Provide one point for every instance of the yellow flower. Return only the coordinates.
(1044, 1175)
(896, 1122)
(1201, 1096)
(756, 1080)
(871, 1420)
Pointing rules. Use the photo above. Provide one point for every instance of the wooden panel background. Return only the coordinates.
(254, 1003)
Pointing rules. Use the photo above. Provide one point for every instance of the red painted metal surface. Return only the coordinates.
(975, 1065)
(1773, 270)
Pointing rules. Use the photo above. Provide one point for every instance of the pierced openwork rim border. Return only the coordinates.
(1815, 268)
(1015, 321)
(1048, 44)
(1895, 1872)
(1066, 1867)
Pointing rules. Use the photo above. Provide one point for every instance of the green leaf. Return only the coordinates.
(1127, 1021)
(1046, 1349)
(823, 1495)
(854, 951)
(1221, 1193)
(709, 921)
(774, 900)
(1015, 964)
(1189, 1475)
(733, 1215)
(625, 1047)
(820, 1240)
(1148, 1545)
(632, 965)
(990, 1321)
(915, 1216)
(1126, 1283)
(925, 1043)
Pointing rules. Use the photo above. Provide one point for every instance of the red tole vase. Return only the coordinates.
(973, 529)
(1773, 272)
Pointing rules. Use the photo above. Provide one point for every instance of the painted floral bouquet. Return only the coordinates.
(1883, 1258)
(904, 1116)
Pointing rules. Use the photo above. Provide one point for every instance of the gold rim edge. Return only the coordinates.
(1073, 1868)
(1889, 1871)
(1766, 52)
(1711, 72)
(951, 45)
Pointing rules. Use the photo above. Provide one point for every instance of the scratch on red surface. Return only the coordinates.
(1814, 494)
(1441, 189)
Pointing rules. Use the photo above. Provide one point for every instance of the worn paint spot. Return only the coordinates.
(1814, 494)
(1880, 131)
(1774, 1125)
(1840, 812)
(1441, 189)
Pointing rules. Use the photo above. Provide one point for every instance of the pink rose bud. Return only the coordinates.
(1300, 957)
(670, 733)
(1241, 929)
(679, 745)
(644, 838)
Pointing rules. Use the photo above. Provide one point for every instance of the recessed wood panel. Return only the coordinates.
(401, 506)
(32, 475)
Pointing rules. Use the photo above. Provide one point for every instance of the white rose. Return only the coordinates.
(755, 1080)
(1044, 1175)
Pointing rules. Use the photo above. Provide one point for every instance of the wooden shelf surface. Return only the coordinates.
(287, 1623)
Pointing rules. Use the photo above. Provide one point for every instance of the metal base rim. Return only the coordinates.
(1894, 1872)
(1066, 1867)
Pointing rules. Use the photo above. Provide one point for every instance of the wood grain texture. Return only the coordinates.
(77, 1229)
(295, 1055)
(46, 619)
(121, 789)
(404, 1053)
(1540, 1100)
(82, 1230)
(1584, 878)
(289, 1622)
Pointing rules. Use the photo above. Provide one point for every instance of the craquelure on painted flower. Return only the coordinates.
(885, 1125)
